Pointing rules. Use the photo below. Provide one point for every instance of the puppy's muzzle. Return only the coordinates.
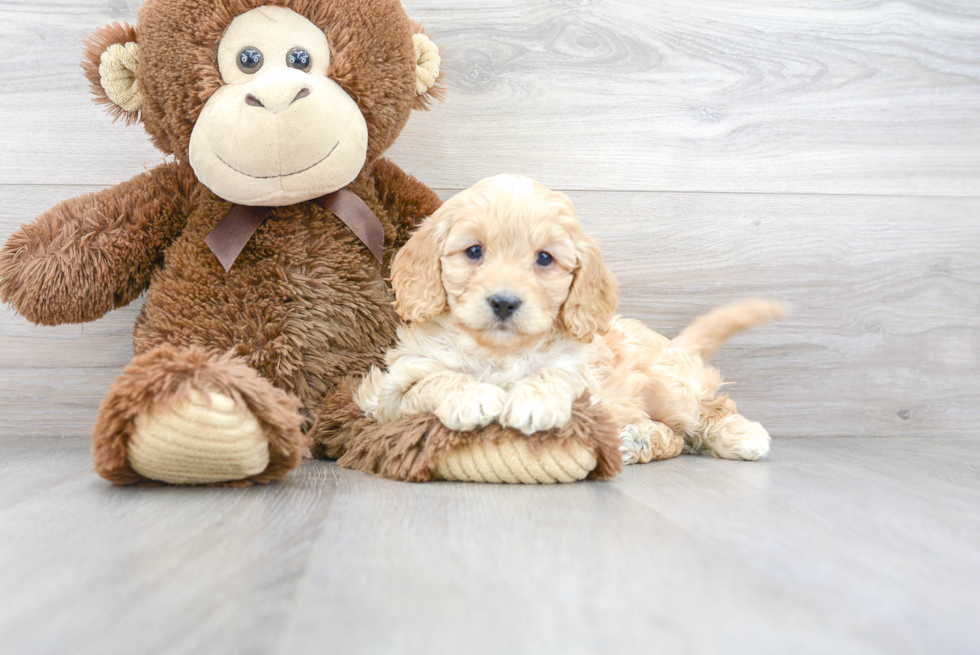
(503, 305)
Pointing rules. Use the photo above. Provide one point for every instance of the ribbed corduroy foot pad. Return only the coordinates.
(198, 440)
(514, 462)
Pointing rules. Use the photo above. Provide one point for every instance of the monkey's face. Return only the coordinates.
(271, 104)
(279, 131)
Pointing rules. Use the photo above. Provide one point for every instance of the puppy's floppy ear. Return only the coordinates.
(593, 297)
(110, 58)
(416, 272)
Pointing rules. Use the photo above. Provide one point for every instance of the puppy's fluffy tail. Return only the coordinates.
(707, 334)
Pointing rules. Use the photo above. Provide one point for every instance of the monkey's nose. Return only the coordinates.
(275, 104)
(503, 306)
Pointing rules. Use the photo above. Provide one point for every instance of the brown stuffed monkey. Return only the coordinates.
(262, 106)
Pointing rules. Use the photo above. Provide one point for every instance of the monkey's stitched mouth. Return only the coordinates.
(270, 177)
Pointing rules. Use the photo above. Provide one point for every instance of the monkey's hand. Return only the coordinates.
(90, 254)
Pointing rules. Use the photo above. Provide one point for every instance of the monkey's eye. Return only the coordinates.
(544, 259)
(474, 252)
(298, 58)
(250, 59)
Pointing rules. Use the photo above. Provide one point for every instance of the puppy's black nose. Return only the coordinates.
(503, 306)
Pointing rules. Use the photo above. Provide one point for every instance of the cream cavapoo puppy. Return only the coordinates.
(510, 314)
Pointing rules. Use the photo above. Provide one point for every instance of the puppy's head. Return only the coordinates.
(509, 260)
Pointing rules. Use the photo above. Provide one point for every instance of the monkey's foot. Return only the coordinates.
(420, 448)
(187, 416)
(513, 461)
(198, 440)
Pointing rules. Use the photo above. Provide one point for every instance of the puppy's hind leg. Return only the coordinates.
(735, 437)
(645, 440)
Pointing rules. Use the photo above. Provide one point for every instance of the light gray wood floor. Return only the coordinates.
(832, 546)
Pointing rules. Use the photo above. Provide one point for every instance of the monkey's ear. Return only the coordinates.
(110, 58)
(428, 73)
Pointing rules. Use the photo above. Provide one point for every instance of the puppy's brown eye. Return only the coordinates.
(474, 252)
(544, 260)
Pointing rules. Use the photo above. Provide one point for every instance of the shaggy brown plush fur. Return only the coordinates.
(167, 374)
(407, 449)
(305, 303)
(91, 254)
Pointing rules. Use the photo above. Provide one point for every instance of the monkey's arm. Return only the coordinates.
(410, 200)
(90, 254)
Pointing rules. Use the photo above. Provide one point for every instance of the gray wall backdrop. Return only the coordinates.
(823, 153)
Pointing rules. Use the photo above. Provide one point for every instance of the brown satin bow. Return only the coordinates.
(232, 233)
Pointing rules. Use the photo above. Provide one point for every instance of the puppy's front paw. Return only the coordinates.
(474, 406)
(530, 409)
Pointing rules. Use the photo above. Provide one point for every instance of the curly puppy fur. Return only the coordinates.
(511, 314)
(305, 303)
